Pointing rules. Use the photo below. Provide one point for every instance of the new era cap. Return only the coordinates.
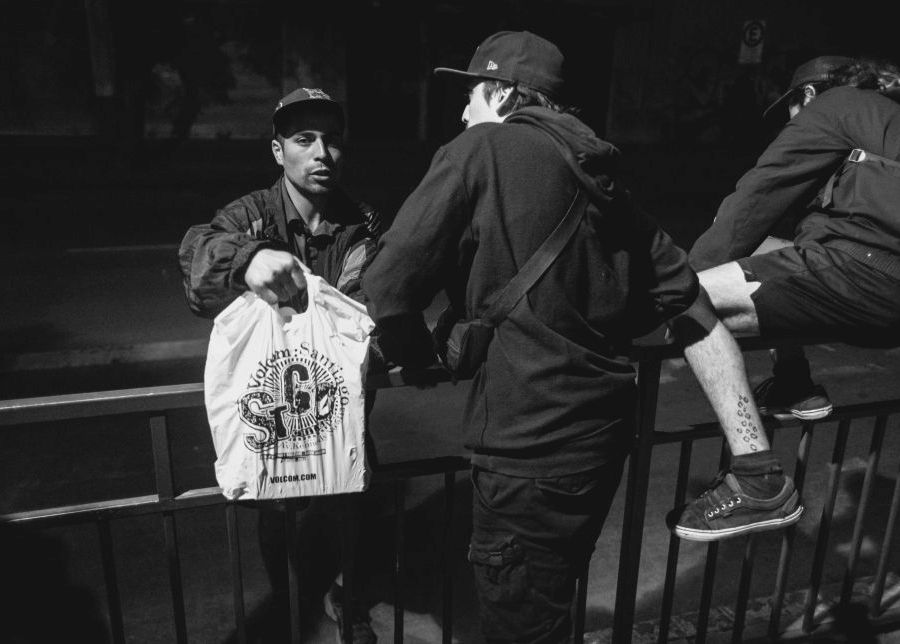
(516, 57)
(305, 96)
(812, 71)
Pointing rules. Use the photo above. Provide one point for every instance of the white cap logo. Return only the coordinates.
(491, 66)
(316, 93)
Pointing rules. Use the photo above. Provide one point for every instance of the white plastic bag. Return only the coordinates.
(284, 396)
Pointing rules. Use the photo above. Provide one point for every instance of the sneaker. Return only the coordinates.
(334, 608)
(724, 511)
(771, 400)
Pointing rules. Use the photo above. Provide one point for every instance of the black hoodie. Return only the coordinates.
(556, 393)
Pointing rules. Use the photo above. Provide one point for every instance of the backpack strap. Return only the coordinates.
(538, 263)
(856, 155)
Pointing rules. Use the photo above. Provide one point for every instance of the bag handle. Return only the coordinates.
(538, 263)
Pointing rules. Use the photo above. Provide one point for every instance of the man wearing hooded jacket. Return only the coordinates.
(549, 412)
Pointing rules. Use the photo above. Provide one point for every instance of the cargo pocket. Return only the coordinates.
(582, 492)
(501, 572)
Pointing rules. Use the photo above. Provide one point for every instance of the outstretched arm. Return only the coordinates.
(213, 258)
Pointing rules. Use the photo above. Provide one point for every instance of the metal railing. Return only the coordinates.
(648, 436)
(169, 500)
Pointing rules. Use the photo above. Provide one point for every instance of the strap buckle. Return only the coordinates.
(857, 155)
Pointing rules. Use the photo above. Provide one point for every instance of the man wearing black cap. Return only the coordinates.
(550, 411)
(264, 242)
(833, 173)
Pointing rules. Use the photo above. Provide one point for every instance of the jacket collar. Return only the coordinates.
(290, 215)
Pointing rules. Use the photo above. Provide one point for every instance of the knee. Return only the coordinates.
(720, 281)
(728, 288)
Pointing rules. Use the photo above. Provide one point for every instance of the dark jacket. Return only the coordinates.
(555, 389)
(214, 256)
(862, 217)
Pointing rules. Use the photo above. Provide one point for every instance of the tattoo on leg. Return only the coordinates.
(752, 434)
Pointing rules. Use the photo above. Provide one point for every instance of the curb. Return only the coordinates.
(102, 356)
(720, 623)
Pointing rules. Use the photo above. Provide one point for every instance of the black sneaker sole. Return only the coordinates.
(691, 534)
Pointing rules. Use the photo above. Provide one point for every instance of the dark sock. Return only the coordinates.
(759, 474)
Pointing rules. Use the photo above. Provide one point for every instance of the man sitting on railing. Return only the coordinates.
(550, 412)
(835, 169)
(262, 242)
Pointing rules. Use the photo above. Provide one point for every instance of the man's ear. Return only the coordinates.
(809, 93)
(277, 152)
(500, 96)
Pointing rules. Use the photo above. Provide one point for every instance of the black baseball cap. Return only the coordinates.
(516, 57)
(812, 71)
(305, 97)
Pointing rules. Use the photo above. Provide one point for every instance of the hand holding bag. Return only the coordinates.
(284, 396)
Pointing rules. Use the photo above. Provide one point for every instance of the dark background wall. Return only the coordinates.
(122, 123)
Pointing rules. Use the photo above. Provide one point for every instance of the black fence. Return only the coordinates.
(171, 501)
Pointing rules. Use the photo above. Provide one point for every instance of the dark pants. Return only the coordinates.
(816, 290)
(329, 526)
(531, 539)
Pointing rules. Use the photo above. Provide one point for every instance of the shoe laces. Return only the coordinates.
(724, 506)
(720, 501)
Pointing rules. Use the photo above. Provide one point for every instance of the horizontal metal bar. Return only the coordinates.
(208, 496)
(408, 378)
(421, 467)
(130, 506)
(100, 403)
(712, 430)
(161, 398)
(654, 347)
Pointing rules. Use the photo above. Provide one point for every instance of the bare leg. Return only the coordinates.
(723, 511)
(792, 390)
(718, 365)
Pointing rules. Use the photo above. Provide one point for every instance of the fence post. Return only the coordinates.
(165, 488)
(821, 551)
(446, 560)
(237, 577)
(636, 500)
(113, 600)
(399, 545)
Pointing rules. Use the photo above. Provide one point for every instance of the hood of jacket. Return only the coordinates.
(592, 160)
